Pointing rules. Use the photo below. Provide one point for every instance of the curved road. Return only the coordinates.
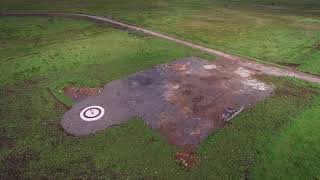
(249, 64)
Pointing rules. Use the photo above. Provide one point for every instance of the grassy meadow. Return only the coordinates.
(283, 32)
(275, 138)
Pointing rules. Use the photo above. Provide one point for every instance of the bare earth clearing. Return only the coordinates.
(185, 100)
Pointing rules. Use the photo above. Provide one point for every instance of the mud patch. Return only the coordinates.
(81, 93)
(183, 100)
(6, 142)
(187, 159)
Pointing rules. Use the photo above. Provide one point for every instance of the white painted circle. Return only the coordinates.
(92, 113)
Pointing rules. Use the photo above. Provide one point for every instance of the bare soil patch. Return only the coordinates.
(184, 100)
(81, 93)
(6, 142)
(187, 159)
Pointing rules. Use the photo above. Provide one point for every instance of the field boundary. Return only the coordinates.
(242, 62)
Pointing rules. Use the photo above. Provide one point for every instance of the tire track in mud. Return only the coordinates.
(241, 62)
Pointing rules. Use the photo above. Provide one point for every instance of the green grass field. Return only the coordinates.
(284, 32)
(276, 138)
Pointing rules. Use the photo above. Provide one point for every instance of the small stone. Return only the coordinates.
(176, 87)
(210, 66)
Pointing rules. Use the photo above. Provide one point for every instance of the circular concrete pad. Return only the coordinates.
(92, 113)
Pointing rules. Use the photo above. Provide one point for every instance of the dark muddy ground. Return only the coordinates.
(185, 100)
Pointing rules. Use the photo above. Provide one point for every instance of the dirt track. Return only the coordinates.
(241, 62)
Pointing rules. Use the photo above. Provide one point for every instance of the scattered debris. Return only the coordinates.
(243, 72)
(80, 93)
(317, 45)
(229, 113)
(180, 67)
(187, 159)
(255, 84)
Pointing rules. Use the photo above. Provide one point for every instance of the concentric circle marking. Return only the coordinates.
(92, 113)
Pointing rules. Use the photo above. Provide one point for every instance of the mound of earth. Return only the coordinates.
(185, 100)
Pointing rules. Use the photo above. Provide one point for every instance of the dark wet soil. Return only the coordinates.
(183, 100)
